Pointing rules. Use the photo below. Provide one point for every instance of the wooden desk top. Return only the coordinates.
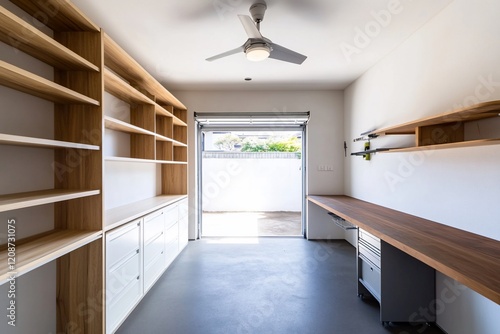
(470, 259)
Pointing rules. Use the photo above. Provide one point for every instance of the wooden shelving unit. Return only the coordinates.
(121, 63)
(87, 63)
(444, 131)
(75, 242)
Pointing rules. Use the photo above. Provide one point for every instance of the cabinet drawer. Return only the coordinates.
(369, 254)
(172, 234)
(118, 279)
(154, 224)
(117, 310)
(153, 270)
(369, 238)
(122, 242)
(154, 249)
(370, 277)
(171, 215)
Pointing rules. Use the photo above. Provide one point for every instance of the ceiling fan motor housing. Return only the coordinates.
(257, 10)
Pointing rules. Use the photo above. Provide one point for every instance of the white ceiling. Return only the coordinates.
(172, 38)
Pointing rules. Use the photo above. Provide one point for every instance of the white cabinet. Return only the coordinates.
(154, 247)
(137, 254)
(123, 272)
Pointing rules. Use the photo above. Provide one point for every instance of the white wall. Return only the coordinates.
(453, 60)
(325, 127)
(252, 184)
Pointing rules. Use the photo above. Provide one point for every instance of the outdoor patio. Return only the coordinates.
(251, 224)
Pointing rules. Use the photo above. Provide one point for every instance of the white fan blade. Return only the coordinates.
(227, 53)
(250, 27)
(284, 54)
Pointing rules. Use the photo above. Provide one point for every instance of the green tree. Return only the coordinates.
(227, 142)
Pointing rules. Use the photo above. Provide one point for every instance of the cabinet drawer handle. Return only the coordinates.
(371, 268)
(137, 251)
(138, 277)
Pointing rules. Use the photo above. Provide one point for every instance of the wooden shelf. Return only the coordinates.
(6, 139)
(17, 78)
(472, 113)
(59, 15)
(25, 37)
(34, 198)
(162, 162)
(164, 112)
(121, 63)
(469, 258)
(39, 251)
(117, 125)
(469, 143)
(126, 213)
(116, 86)
(166, 139)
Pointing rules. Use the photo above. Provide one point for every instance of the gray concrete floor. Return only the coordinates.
(251, 224)
(261, 286)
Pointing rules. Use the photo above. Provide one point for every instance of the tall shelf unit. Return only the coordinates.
(86, 63)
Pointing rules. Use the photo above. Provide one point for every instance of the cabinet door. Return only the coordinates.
(183, 224)
(123, 272)
(154, 247)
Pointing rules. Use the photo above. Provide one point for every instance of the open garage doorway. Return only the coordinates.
(251, 179)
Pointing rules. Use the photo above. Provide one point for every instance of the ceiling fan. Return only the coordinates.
(257, 47)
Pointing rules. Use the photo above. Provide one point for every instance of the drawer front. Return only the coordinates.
(370, 277)
(118, 279)
(153, 270)
(121, 243)
(154, 249)
(183, 208)
(171, 214)
(370, 255)
(369, 238)
(172, 234)
(122, 305)
(154, 225)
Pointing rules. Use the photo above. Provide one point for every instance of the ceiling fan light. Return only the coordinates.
(258, 52)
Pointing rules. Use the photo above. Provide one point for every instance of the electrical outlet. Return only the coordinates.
(321, 167)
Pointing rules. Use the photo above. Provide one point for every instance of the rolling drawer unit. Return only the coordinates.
(400, 283)
(369, 263)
